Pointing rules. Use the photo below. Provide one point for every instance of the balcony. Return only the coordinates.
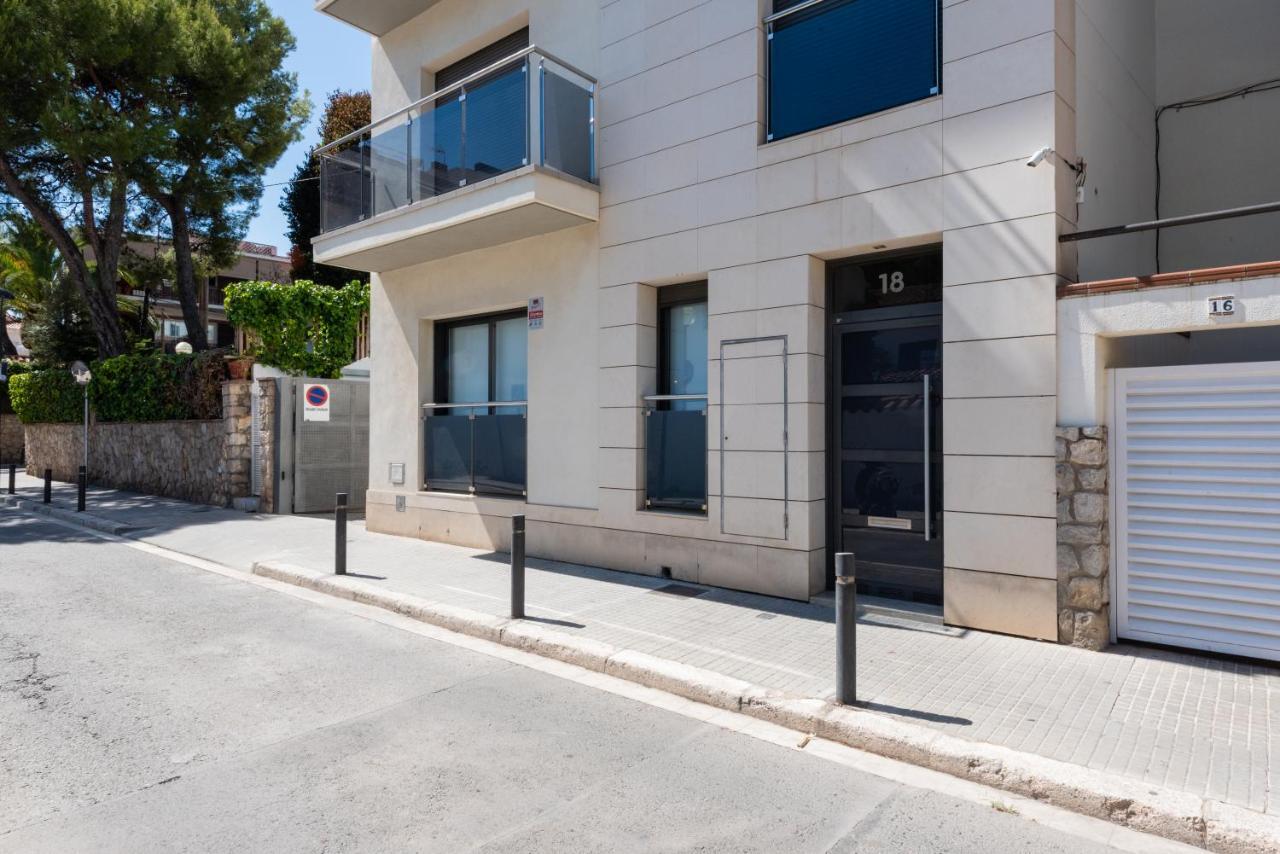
(376, 19)
(476, 448)
(502, 155)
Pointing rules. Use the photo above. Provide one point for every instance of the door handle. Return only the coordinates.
(928, 533)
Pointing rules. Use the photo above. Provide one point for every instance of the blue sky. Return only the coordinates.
(330, 55)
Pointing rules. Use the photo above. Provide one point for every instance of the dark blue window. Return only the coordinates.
(840, 59)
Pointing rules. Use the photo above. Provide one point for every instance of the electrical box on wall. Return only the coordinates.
(396, 473)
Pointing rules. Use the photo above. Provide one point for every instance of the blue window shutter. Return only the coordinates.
(842, 59)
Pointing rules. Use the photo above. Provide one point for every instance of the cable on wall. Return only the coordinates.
(1204, 100)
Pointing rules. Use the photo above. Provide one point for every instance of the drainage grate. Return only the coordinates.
(684, 591)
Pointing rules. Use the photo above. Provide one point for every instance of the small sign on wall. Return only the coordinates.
(1222, 306)
(315, 403)
(535, 313)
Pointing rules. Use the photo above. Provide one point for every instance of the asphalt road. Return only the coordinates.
(146, 705)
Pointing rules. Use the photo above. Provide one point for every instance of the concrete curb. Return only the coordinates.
(1156, 810)
(87, 520)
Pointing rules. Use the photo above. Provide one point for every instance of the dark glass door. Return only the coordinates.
(888, 478)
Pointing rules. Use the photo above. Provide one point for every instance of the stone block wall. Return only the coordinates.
(237, 448)
(207, 462)
(11, 441)
(1084, 537)
(268, 395)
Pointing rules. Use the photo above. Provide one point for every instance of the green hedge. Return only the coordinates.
(42, 397)
(11, 369)
(125, 388)
(158, 388)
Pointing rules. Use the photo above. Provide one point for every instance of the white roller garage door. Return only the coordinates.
(1197, 506)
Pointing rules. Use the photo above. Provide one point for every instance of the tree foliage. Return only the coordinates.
(105, 101)
(302, 328)
(55, 320)
(75, 116)
(344, 113)
(232, 110)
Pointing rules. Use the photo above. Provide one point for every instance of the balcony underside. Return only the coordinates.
(376, 18)
(524, 203)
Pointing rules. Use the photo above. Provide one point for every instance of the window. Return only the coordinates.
(836, 60)
(479, 449)
(471, 136)
(682, 327)
(676, 422)
(177, 329)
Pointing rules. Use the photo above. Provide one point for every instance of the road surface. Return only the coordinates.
(148, 705)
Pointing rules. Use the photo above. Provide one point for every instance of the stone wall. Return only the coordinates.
(202, 461)
(1084, 558)
(11, 442)
(237, 448)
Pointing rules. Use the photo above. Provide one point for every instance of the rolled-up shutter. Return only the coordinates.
(482, 58)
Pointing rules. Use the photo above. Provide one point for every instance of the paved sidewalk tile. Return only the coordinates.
(1205, 725)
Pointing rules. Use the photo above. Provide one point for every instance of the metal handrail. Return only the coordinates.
(778, 16)
(662, 397)
(455, 86)
(476, 405)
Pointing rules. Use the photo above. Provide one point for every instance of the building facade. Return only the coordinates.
(714, 289)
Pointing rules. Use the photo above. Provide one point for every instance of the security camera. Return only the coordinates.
(1035, 159)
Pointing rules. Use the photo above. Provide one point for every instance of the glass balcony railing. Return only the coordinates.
(676, 452)
(479, 448)
(528, 108)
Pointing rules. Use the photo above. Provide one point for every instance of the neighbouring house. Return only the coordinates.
(255, 262)
(716, 289)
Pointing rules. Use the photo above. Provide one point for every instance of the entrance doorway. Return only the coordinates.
(885, 409)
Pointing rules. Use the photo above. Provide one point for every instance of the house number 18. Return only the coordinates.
(892, 283)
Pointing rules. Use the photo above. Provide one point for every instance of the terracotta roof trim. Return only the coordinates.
(1179, 279)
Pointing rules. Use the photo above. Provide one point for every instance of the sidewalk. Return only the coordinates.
(1203, 726)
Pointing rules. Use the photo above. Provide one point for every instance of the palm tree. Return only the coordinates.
(56, 325)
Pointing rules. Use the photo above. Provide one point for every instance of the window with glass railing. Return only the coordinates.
(475, 432)
(676, 417)
(835, 60)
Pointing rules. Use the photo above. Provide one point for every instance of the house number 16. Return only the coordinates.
(892, 283)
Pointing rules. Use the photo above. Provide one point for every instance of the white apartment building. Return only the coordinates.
(714, 289)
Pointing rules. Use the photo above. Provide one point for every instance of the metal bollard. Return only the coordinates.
(340, 535)
(82, 480)
(517, 567)
(48, 486)
(13, 479)
(846, 629)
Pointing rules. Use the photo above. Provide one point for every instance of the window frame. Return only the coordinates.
(440, 384)
(769, 21)
(669, 297)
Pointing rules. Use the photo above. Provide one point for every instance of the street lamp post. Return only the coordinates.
(4, 373)
(81, 372)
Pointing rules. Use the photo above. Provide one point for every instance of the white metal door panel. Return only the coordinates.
(1196, 476)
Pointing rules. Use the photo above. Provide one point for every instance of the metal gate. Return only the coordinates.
(1197, 499)
(322, 456)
